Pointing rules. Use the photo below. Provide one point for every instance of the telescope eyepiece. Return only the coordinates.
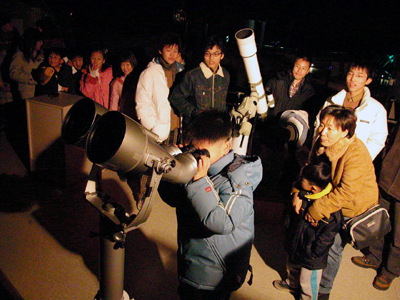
(195, 152)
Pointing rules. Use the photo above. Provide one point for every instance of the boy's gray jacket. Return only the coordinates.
(216, 224)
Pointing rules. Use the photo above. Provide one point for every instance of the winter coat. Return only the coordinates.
(371, 120)
(353, 178)
(21, 72)
(216, 223)
(389, 177)
(152, 106)
(201, 89)
(308, 245)
(280, 87)
(116, 92)
(98, 89)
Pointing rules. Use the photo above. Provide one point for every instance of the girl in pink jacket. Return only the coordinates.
(128, 62)
(96, 83)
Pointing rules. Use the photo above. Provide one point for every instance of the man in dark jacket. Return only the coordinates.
(205, 86)
(389, 186)
(291, 88)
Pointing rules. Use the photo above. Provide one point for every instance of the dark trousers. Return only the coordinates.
(391, 261)
(188, 292)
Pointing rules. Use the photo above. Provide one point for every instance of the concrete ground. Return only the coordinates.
(47, 250)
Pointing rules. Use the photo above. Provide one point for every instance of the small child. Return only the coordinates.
(53, 75)
(215, 212)
(128, 62)
(76, 61)
(96, 83)
(308, 244)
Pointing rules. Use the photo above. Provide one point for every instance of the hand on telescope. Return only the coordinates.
(202, 167)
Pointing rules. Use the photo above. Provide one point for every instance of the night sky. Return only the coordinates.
(336, 25)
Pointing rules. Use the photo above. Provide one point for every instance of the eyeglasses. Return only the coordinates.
(214, 54)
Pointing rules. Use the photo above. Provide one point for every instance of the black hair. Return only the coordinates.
(76, 52)
(215, 41)
(28, 42)
(208, 125)
(56, 50)
(104, 52)
(318, 174)
(364, 65)
(303, 57)
(345, 118)
(169, 39)
(128, 57)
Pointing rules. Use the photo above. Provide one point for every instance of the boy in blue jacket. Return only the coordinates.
(215, 212)
(308, 244)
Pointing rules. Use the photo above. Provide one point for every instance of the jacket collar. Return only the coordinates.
(337, 150)
(220, 164)
(339, 97)
(207, 71)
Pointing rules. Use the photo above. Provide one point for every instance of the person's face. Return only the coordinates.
(217, 150)
(126, 67)
(301, 69)
(77, 62)
(308, 186)
(38, 45)
(170, 53)
(55, 60)
(213, 57)
(356, 80)
(97, 60)
(329, 133)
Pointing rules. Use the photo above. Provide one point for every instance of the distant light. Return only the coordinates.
(227, 38)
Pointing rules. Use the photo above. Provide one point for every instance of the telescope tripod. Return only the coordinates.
(115, 223)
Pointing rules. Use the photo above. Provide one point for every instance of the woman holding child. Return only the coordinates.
(353, 178)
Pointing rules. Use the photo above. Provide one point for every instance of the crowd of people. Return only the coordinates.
(215, 209)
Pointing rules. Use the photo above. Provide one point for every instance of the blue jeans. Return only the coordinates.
(334, 260)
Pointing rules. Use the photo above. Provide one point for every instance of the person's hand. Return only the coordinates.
(296, 202)
(94, 73)
(202, 167)
(64, 89)
(310, 219)
(179, 58)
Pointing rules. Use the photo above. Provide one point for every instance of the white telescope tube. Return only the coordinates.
(248, 51)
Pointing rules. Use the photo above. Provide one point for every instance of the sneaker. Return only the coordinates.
(364, 262)
(382, 282)
(283, 286)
